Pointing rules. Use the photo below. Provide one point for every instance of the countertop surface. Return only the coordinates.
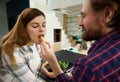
(66, 55)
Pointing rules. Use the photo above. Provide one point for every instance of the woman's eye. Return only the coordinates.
(35, 26)
(44, 25)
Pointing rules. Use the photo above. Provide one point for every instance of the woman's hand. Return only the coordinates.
(47, 53)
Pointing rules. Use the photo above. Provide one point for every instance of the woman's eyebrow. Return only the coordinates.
(34, 23)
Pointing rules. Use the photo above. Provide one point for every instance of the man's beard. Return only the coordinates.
(89, 35)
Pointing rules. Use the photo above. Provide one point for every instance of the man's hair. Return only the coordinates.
(99, 5)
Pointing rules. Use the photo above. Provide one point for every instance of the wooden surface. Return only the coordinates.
(57, 46)
(83, 52)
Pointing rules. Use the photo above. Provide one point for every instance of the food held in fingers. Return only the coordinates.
(42, 39)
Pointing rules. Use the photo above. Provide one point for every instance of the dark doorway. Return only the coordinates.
(14, 8)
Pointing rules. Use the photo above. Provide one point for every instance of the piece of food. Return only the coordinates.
(69, 74)
(63, 64)
(42, 38)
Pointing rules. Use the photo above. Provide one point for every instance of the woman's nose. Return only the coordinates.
(40, 28)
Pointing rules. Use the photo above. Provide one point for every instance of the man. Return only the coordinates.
(100, 21)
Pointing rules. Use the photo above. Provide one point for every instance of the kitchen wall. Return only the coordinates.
(56, 4)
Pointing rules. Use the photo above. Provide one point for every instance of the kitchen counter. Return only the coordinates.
(63, 55)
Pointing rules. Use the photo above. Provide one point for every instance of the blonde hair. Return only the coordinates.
(18, 36)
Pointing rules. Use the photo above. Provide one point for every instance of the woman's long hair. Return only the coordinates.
(18, 36)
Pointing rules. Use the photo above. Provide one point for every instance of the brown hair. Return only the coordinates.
(18, 36)
(99, 5)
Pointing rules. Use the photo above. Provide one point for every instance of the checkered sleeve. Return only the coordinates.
(21, 70)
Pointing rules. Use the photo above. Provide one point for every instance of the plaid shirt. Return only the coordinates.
(28, 63)
(102, 64)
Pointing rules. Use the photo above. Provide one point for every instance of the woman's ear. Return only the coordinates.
(108, 14)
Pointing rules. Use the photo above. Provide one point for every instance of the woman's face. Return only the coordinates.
(36, 28)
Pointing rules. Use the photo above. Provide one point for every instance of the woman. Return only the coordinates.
(20, 49)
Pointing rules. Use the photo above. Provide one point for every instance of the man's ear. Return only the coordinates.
(108, 14)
